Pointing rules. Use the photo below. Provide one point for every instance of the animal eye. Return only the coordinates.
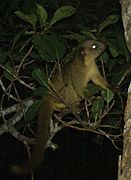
(94, 46)
(82, 51)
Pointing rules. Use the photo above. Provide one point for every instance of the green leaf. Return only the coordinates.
(40, 77)
(105, 57)
(88, 34)
(90, 90)
(107, 95)
(16, 38)
(111, 19)
(42, 14)
(61, 13)
(9, 73)
(50, 47)
(118, 43)
(76, 36)
(113, 51)
(40, 91)
(97, 108)
(29, 32)
(30, 18)
(67, 58)
(3, 56)
(33, 110)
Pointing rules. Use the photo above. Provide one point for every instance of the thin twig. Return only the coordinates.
(6, 92)
(24, 58)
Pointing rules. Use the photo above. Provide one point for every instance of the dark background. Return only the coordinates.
(80, 156)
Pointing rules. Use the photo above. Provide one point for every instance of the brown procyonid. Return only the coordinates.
(67, 91)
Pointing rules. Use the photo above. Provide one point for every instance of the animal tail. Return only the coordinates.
(45, 114)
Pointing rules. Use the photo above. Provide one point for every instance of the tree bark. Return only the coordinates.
(126, 18)
(125, 168)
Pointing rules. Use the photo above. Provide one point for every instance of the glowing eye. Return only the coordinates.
(93, 46)
(82, 51)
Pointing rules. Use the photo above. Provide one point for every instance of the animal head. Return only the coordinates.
(89, 50)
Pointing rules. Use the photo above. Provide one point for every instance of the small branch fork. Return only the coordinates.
(8, 125)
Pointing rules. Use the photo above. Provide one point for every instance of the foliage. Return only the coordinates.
(34, 40)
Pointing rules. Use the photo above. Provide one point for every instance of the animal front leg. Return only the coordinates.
(100, 81)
